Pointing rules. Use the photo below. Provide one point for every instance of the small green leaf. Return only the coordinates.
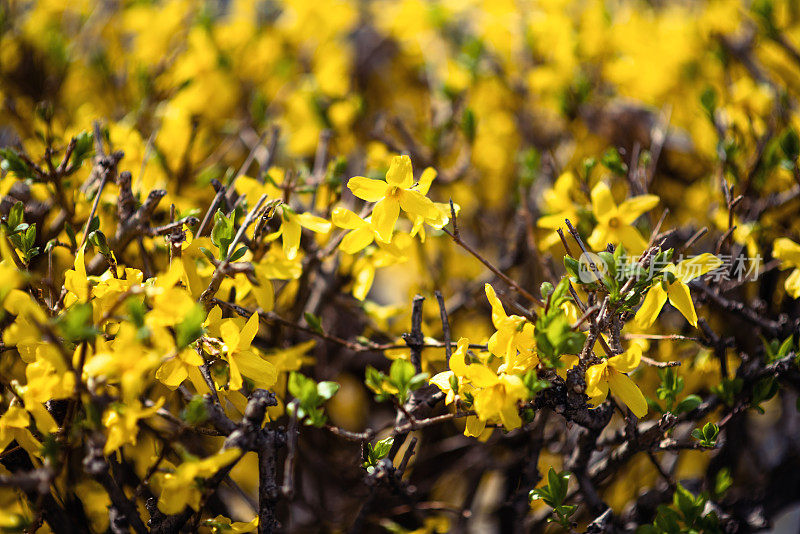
(326, 390)
(314, 322)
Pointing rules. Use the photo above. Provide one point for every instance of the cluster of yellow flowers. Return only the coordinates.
(250, 121)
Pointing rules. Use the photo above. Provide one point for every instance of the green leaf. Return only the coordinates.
(790, 144)
(722, 482)
(708, 101)
(382, 447)
(16, 215)
(71, 234)
(468, 124)
(195, 411)
(400, 373)
(98, 239)
(613, 162)
(76, 323)
(326, 390)
(238, 254)
(191, 328)
(84, 146)
(314, 322)
(12, 162)
(688, 404)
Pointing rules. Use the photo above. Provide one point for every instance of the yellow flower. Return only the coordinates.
(363, 269)
(181, 488)
(614, 221)
(496, 396)
(457, 372)
(559, 206)
(181, 366)
(242, 360)
(76, 281)
(124, 360)
(443, 216)
(362, 234)
(514, 340)
(610, 375)
(122, 422)
(170, 302)
(392, 195)
(14, 426)
(677, 290)
(292, 226)
(788, 252)
(222, 524)
(23, 332)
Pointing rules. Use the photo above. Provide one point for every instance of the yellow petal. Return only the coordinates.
(628, 392)
(442, 381)
(787, 251)
(357, 240)
(344, 218)
(249, 331)
(314, 223)
(680, 297)
(235, 383)
(400, 173)
(631, 238)
(509, 416)
(498, 313)
(632, 208)
(651, 307)
(291, 236)
(256, 369)
(384, 217)
(426, 179)
(603, 204)
(457, 360)
(263, 292)
(367, 188)
(599, 237)
(230, 334)
(364, 275)
(172, 373)
(481, 376)
(595, 380)
(688, 270)
(475, 426)
(628, 360)
(792, 284)
(415, 203)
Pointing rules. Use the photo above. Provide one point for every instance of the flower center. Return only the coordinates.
(614, 222)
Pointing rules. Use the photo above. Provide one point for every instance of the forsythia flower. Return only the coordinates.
(610, 375)
(457, 372)
(76, 281)
(496, 396)
(181, 488)
(293, 224)
(362, 234)
(122, 422)
(241, 359)
(514, 340)
(674, 286)
(222, 524)
(423, 186)
(392, 195)
(14, 426)
(614, 221)
(788, 252)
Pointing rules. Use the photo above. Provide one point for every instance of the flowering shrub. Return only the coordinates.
(402, 266)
